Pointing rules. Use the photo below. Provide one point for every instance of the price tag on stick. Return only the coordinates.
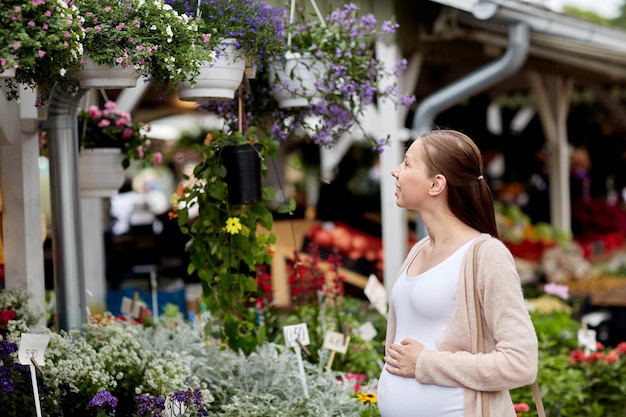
(297, 337)
(335, 342)
(32, 353)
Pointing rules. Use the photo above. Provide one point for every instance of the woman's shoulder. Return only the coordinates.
(491, 246)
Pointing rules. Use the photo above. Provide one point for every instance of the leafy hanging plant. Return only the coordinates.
(226, 245)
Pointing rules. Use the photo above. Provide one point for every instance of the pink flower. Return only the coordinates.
(612, 357)
(41, 53)
(127, 133)
(97, 28)
(94, 112)
(3, 62)
(45, 26)
(119, 60)
(621, 348)
(110, 105)
(561, 291)
(48, 13)
(520, 407)
(31, 23)
(158, 158)
(67, 34)
(107, 9)
(140, 151)
(140, 47)
(104, 123)
(16, 45)
(120, 26)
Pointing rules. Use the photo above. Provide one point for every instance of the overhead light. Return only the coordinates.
(172, 127)
(484, 10)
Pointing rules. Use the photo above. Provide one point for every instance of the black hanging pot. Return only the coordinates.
(243, 173)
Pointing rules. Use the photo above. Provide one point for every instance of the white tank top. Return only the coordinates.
(423, 305)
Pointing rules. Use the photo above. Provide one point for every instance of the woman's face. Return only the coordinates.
(412, 179)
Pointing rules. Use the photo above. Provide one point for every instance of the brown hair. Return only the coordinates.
(455, 156)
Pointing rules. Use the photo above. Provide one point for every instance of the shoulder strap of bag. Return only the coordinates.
(481, 342)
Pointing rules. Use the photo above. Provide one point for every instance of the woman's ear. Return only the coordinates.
(438, 184)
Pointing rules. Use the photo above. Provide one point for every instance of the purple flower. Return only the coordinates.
(6, 348)
(102, 399)
(6, 381)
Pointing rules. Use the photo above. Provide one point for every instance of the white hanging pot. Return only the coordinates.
(219, 79)
(100, 172)
(293, 82)
(7, 74)
(94, 75)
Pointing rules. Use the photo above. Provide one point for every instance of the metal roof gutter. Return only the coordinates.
(547, 22)
(476, 81)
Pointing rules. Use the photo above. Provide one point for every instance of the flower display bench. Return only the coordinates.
(289, 234)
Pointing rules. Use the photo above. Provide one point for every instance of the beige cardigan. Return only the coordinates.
(509, 336)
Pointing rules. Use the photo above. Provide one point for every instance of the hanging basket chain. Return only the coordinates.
(292, 12)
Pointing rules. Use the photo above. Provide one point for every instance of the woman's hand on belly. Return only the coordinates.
(401, 358)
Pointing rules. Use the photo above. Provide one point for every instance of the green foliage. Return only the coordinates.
(226, 246)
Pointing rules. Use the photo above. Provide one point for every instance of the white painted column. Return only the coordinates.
(22, 222)
(94, 255)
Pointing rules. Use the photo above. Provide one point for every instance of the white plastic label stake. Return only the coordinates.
(174, 408)
(131, 307)
(305, 388)
(295, 333)
(336, 342)
(366, 331)
(32, 351)
(587, 340)
(33, 346)
(377, 294)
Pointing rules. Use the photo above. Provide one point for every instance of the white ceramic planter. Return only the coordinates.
(94, 75)
(218, 79)
(293, 83)
(100, 172)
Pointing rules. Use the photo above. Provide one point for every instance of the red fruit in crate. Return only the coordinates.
(360, 242)
(371, 254)
(323, 238)
(342, 239)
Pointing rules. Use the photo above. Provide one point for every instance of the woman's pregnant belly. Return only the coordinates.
(405, 397)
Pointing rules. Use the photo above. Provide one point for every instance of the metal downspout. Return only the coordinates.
(479, 80)
(62, 127)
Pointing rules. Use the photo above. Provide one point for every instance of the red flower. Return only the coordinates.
(577, 355)
(621, 348)
(7, 315)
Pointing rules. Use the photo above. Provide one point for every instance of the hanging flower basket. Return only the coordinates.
(94, 75)
(294, 80)
(218, 79)
(243, 173)
(100, 172)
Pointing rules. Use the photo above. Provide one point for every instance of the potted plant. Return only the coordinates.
(241, 31)
(226, 246)
(41, 40)
(148, 37)
(109, 140)
(109, 127)
(340, 48)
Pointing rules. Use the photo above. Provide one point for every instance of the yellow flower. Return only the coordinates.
(367, 397)
(233, 226)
